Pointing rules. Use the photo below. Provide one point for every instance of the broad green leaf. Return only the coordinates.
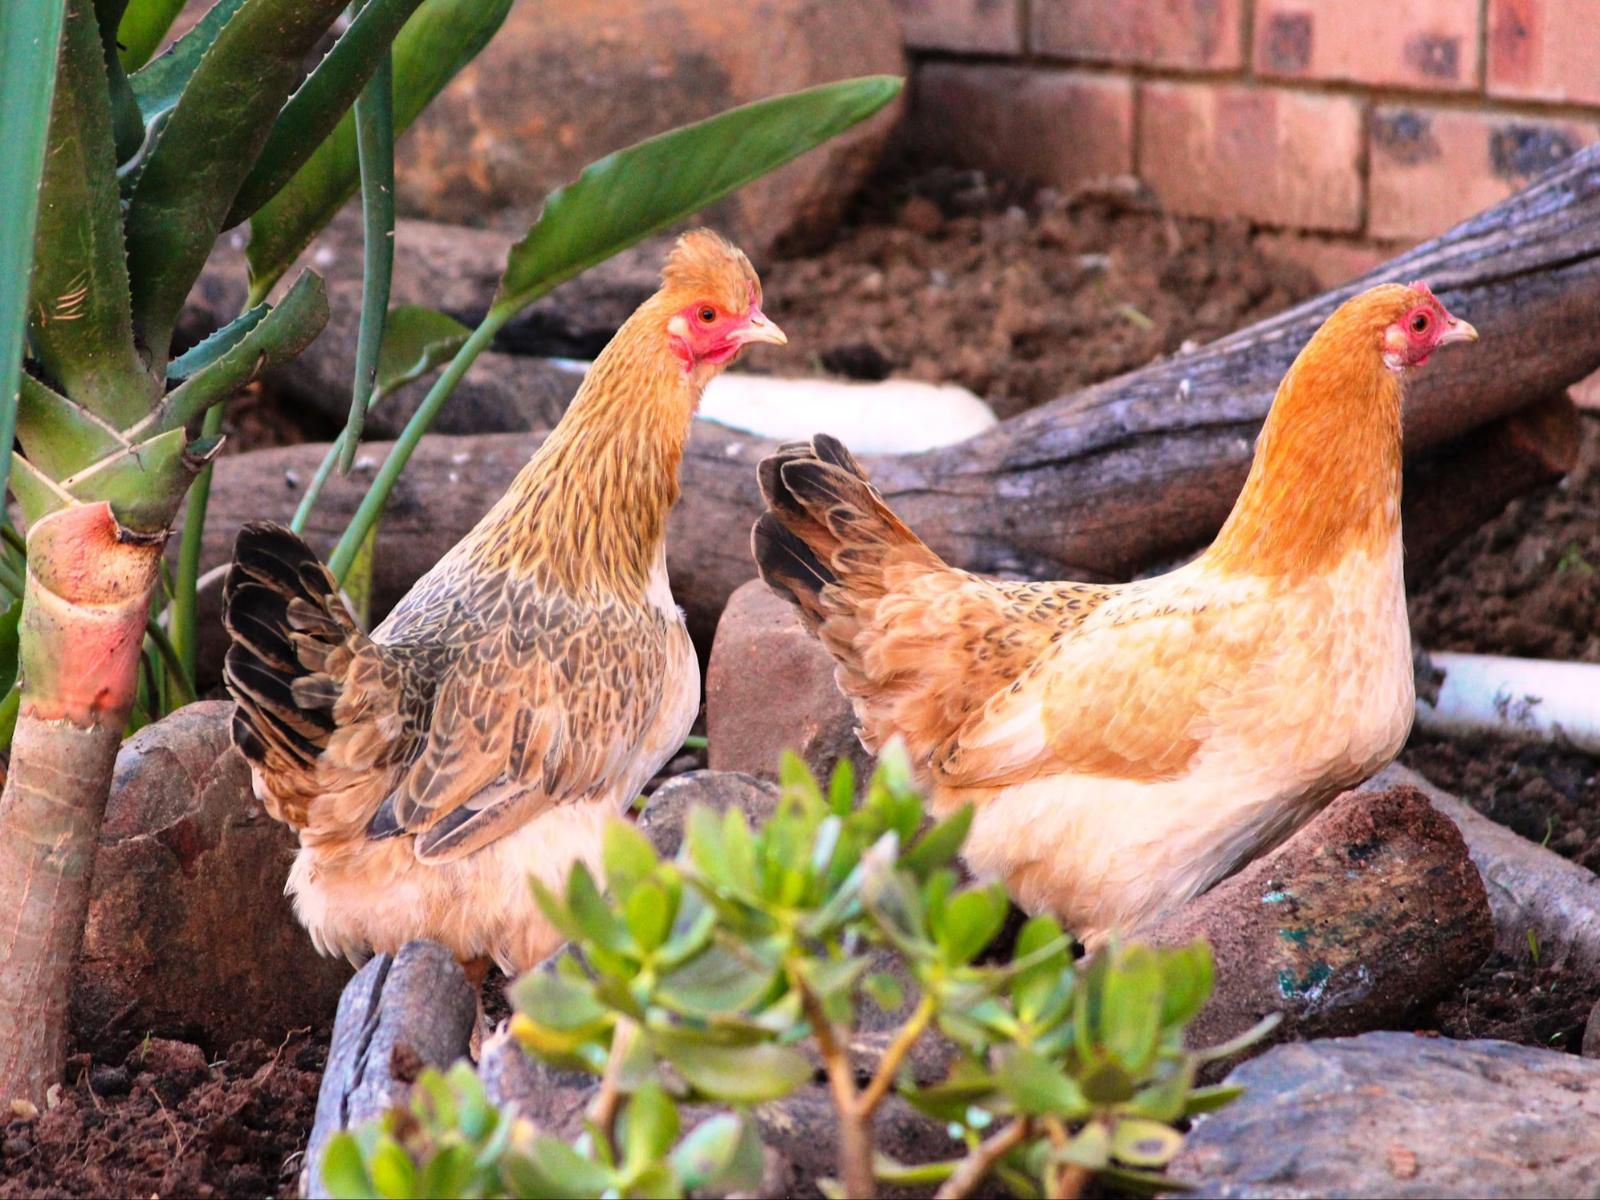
(277, 337)
(720, 1156)
(971, 920)
(628, 857)
(208, 145)
(1187, 974)
(79, 322)
(1038, 1087)
(953, 1098)
(593, 915)
(1165, 1099)
(1131, 1004)
(649, 1127)
(394, 1175)
(1142, 1143)
(30, 36)
(608, 207)
(343, 1173)
(649, 913)
(1091, 1148)
(1129, 1181)
(58, 436)
(555, 911)
(415, 341)
(158, 86)
(734, 1074)
(885, 990)
(441, 37)
(842, 788)
(940, 845)
(202, 355)
(794, 777)
(713, 982)
(1105, 1082)
(448, 1173)
(318, 105)
(1209, 1099)
(143, 27)
(552, 1170)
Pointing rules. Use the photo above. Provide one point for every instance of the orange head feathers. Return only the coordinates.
(714, 298)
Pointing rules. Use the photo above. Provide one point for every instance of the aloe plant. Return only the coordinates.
(704, 980)
(134, 167)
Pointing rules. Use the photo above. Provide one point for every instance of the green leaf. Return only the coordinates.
(555, 911)
(448, 1173)
(1142, 1143)
(206, 148)
(1130, 1014)
(343, 1173)
(940, 845)
(158, 86)
(1165, 1099)
(215, 346)
(30, 36)
(318, 105)
(734, 1074)
(79, 322)
(884, 990)
(1039, 1088)
(842, 788)
(58, 436)
(599, 923)
(415, 341)
(9, 621)
(1091, 1148)
(1187, 973)
(649, 913)
(1041, 990)
(142, 29)
(720, 1156)
(628, 857)
(649, 1127)
(394, 1175)
(971, 920)
(278, 336)
(606, 210)
(1106, 1082)
(144, 483)
(713, 982)
(441, 37)
(1209, 1099)
(553, 1170)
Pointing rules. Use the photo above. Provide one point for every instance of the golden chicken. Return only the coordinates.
(523, 691)
(1126, 746)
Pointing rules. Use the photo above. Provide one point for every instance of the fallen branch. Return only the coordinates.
(1472, 694)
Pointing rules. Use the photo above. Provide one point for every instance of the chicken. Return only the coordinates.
(1126, 746)
(523, 691)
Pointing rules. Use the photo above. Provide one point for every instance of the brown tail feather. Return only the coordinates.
(282, 609)
(826, 527)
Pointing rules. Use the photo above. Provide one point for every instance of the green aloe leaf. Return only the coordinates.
(441, 37)
(79, 322)
(58, 436)
(126, 124)
(318, 105)
(605, 210)
(202, 355)
(158, 86)
(204, 152)
(146, 482)
(276, 337)
(30, 35)
(143, 27)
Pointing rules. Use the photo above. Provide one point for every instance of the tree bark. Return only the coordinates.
(86, 599)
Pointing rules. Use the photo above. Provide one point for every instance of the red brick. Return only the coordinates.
(1331, 261)
(1545, 49)
(1430, 168)
(1273, 155)
(1429, 44)
(1159, 33)
(1053, 127)
(976, 26)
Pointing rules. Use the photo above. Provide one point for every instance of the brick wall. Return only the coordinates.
(1339, 126)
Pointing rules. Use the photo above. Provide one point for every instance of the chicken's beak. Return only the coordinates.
(1457, 330)
(758, 328)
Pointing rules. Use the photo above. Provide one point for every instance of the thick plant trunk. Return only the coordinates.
(88, 593)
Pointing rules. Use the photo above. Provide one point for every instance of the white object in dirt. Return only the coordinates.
(896, 416)
(1525, 697)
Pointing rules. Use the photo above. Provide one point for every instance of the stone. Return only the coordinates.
(189, 934)
(1147, 33)
(1277, 156)
(1544, 50)
(1430, 44)
(511, 388)
(1369, 913)
(1053, 127)
(663, 818)
(1400, 1115)
(770, 688)
(1432, 167)
(564, 84)
(971, 26)
(1590, 1046)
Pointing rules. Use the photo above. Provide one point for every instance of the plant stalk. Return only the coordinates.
(855, 1125)
(185, 601)
(608, 1100)
(981, 1161)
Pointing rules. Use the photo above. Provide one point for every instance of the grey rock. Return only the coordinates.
(1398, 1115)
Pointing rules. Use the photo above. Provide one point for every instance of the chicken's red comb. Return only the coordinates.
(1419, 286)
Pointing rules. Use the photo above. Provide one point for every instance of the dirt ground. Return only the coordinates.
(1021, 298)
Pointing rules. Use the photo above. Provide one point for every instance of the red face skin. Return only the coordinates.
(1426, 326)
(703, 333)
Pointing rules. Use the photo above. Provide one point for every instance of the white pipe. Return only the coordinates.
(1522, 697)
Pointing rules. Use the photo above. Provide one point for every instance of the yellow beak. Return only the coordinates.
(1458, 331)
(757, 328)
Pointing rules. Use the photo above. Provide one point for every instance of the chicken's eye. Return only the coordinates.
(1419, 322)
(707, 314)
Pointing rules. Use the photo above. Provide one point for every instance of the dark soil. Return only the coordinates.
(1020, 297)
(164, 1122)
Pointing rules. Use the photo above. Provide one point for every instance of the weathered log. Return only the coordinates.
(400, 1013)
(1370, 912)
(1531, 890)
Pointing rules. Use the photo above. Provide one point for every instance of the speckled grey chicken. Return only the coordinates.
(523, 690)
